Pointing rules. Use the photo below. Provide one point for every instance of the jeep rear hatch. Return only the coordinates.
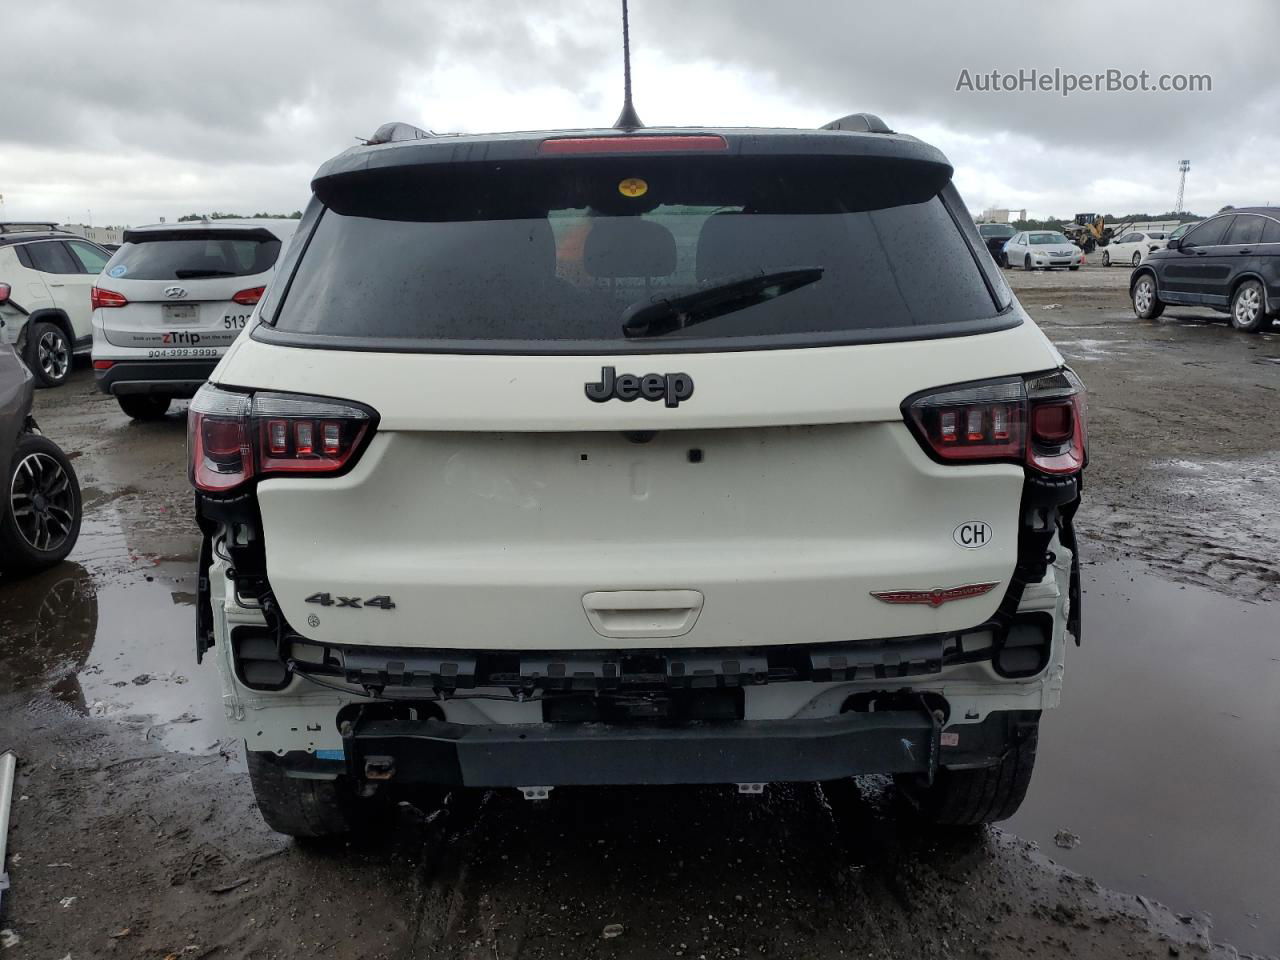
(740, 480)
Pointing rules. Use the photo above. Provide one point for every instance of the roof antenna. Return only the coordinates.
(628, 119)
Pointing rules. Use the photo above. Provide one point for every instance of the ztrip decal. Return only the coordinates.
(972, 534)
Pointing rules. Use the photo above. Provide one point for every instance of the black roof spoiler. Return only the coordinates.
(858, 123)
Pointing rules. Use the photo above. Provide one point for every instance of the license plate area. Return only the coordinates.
(180, 313)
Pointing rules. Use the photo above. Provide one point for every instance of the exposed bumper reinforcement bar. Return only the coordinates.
(580, 754)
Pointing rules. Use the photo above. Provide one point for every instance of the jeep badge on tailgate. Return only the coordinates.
(669, 387)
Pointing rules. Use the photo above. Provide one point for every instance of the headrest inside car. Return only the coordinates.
(629, 247)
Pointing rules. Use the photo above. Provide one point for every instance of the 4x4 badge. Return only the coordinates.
(668, 387)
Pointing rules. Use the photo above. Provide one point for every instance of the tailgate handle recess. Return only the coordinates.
(624, 614)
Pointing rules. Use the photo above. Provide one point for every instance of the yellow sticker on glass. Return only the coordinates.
(633, 187)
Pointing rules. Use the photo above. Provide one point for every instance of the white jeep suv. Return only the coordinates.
(45, 280)
(170, 302)
(663, 456)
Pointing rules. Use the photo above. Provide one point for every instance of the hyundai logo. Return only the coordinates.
(175, 293)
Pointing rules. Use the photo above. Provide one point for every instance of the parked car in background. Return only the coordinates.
(1178, 232)
(46, 276)
(995, 236)
(463, 481)
(1132, 248)
(170, 302)
(1230, 263)
(1033, 249)
(40, 505)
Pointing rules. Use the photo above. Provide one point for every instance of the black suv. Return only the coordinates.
(1230, 262)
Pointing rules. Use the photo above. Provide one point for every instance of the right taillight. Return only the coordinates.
(1037, 420)
(106, 298)
(234, 437)
(5, 289)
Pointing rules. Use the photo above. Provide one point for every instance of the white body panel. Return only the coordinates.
(494, 497)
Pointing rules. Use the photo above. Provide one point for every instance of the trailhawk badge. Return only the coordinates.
(671, 388)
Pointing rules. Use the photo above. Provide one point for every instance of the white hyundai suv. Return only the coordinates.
(638, 457)
(170, 302)
(46, 276)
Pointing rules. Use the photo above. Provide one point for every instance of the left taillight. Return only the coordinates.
(5, 290)
(234, 437)
(106, 298)
(1038, 420)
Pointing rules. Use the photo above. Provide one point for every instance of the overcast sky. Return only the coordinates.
(137, 109)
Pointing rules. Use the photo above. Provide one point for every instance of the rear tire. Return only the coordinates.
(1146, 303)
(48, 354)
(1137, 259)
(968, 798)
(144, 406)
(1106, 258)
(40, 507)
(1248, 307)
(297, 807)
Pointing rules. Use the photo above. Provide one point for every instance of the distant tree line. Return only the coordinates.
(1053, 223)
(219, 215)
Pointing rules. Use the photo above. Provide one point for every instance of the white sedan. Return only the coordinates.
(1042, 248)
(1132, 248)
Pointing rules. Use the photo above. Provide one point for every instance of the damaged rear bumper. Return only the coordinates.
(581, 754)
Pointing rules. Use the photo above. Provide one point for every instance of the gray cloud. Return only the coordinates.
(153, 107)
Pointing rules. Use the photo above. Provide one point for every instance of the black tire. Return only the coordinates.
(1004, 260)
(144, 406)
(1137, 259)
(41, 507)
(1248, 307)
(1147, 304)
(1106, 258)
(1073, 268)
(967, 798)
(48, 353)
(299, 808)
(1026, 262)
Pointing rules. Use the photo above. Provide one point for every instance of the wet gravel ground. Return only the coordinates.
(135, 832)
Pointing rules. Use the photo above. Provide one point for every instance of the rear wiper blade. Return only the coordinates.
(654, 317)
(194, 274)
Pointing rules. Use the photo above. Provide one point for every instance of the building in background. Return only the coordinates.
(1001, 215)
(113, 235)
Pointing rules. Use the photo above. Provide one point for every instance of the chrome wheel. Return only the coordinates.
(1106, 258)
(42, 501)
(53, 354)
(1247, 307)
(1137, 259)
(1143, 294)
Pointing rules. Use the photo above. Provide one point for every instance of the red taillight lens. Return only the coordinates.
(1039, 421)
(1058, 441)
(249, 297)
(5, 290)
(232, 437)
(103, 364)
(983, 422)
(632, 143)
(106, 298)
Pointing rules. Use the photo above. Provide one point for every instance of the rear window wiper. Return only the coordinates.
(194, 274)
(653, 318)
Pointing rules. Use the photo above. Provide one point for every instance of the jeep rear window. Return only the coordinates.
(173, 257)
(549, 255)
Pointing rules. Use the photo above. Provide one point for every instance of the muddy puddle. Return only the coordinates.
(1164, 758)
(109, 634)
